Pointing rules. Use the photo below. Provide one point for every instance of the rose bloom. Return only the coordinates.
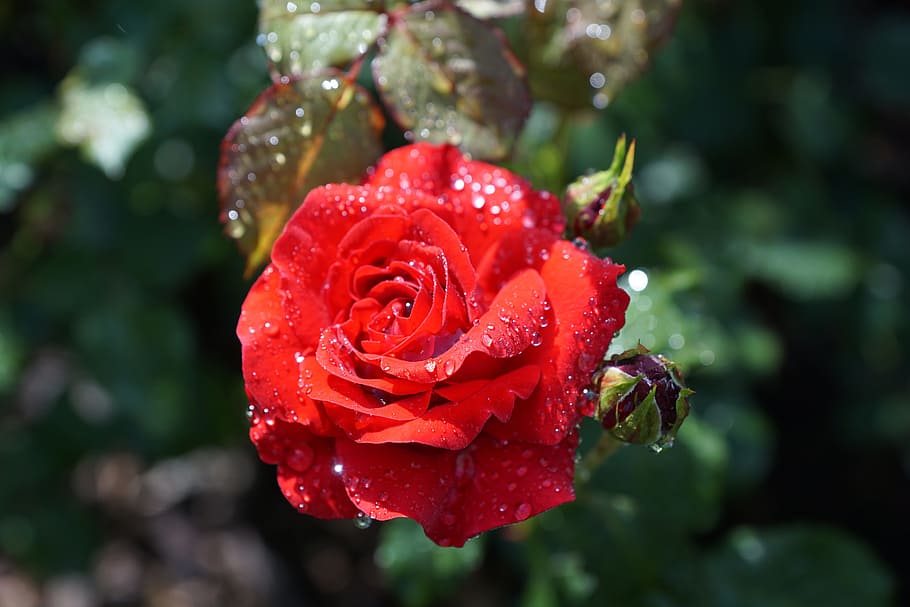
(420, 346)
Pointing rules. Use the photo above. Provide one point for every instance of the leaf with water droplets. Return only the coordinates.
(295, 137)
(583, 52)
(300, 37)
(448, 77)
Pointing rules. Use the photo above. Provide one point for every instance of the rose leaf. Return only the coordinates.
(296, 136)
(302, 37)
(448, 77)
(583, 52)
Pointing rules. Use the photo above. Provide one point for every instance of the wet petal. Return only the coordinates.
(273, 353)
(367, 396)
(455, 495)
(484, 200)
(452, 424)
(586, 309)
(307, 472)
(504, 331)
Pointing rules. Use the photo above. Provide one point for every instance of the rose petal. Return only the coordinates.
(448, 425)
(300, 289)
(504, 331)
(485, 200)
(587, 308)
(272, 353)
(455, 495)
(306, 469)
(323, 220)
(362, 397)
(425, 240)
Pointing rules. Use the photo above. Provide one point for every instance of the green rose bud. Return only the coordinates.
(643, 399)
(601, 207)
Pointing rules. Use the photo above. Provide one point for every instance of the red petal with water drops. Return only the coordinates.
(308, 471)
(449, 424)
(504, 331)
(483, 201)
(272, 356)
(585, 309)
(455, 495)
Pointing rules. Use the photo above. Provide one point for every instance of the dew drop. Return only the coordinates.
(486, 339)
(301, 458)
(536, 339)
(581, 244)
(522, 511)
(362, 521)
(448, 367)
(464, 469)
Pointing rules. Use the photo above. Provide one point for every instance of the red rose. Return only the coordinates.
(419, 345)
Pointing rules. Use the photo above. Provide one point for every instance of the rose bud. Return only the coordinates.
(643, 399)
(601, 207)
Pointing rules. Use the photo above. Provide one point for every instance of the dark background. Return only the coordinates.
(773, 166)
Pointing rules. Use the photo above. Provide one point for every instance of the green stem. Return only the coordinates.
(605, 447)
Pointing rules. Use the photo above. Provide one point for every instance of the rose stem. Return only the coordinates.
(605, 447)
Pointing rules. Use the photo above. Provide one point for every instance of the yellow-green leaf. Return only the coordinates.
(296, 136)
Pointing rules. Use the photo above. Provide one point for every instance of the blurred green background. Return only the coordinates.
(772, 167)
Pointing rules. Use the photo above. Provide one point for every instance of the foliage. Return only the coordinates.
(440, 71)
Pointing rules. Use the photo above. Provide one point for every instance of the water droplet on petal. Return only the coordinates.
(522, 511)
(362, 521)
(464, 469)
(448, 367)
(301, 458)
